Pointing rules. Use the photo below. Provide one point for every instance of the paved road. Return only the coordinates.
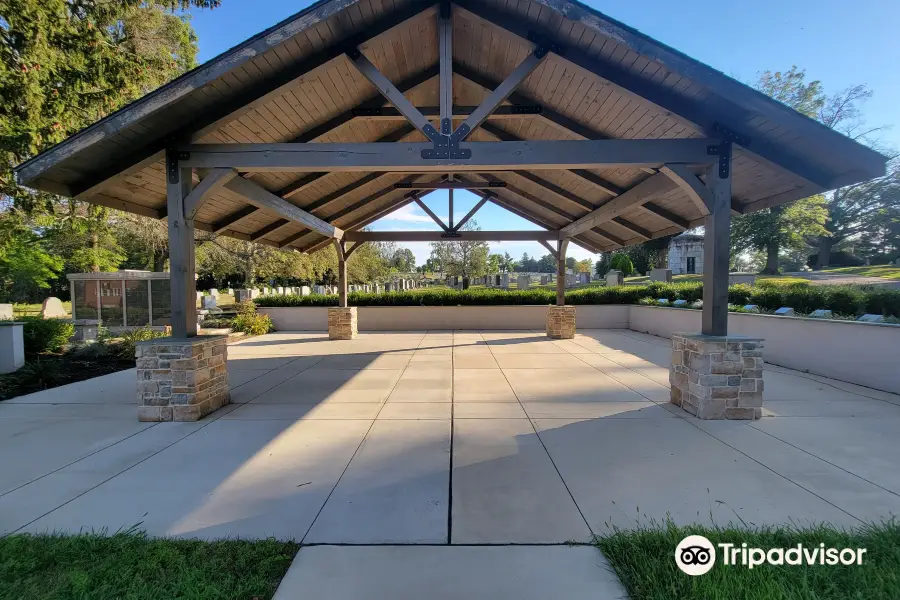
(845, 279)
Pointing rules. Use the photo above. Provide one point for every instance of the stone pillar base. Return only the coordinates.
(182, 379)
(716, 377)
(342, 323)
(561, 322)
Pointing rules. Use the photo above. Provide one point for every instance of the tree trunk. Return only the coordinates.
(159, 261)
(825, 244)
(95, 249)
(772, 250)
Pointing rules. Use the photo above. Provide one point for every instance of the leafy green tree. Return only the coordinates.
(494, 262)
(782, 227)
(571, 263)
(789, 225)
(622, 262)
(404, 260)
(465, 258)
(65, 64)
(547, 264)
(25, 265)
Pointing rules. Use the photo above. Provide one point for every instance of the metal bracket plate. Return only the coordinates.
(723, 151)
(172, 168)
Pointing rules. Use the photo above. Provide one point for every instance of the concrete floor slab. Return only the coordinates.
(568, 385)
(230, 478)
(852, 494)
(596, 410)
(297, 412)
(540, 361)
(506, 489)
(374, 360)
(475, 360)
(20, 507)
(625, 472)
(240, 377)
(395, 490)
(415, 410)
(488, 410)
(315, 386)
(257, 386)
(481, 385)
(42, 445)
(450, 573)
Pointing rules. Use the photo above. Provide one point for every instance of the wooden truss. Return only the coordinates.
(669, 163)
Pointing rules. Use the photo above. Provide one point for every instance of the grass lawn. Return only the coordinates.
(131, 566)
(645, 562)
(884, 271)
(34, 310)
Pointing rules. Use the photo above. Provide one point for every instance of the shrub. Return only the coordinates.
(41, 373)
(252, 324)
(783, 282)
(740, 294)
(247, 307)
(883, 302)
(217, 324)
(129, 339)
(839, 258)
(45, 335)
(845, 300)
(622, 262)
(802, 298)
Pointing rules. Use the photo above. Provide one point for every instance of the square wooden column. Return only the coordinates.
(717, 247)
(181, 250)
(342, 319)
(561, 272)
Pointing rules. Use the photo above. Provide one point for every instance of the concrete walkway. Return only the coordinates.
(465, 438)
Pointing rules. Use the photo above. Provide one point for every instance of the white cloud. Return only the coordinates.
(411, 214)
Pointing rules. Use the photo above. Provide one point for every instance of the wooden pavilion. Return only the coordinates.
(350, 109)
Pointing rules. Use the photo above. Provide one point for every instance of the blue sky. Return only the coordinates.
(841, 43)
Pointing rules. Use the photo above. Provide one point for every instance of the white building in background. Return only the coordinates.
(686, 254)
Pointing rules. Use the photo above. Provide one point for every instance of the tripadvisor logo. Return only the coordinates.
(696, 555)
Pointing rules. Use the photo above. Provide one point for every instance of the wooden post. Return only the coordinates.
(561, 272)
(717, 247)
(342, 273)
(181, 250)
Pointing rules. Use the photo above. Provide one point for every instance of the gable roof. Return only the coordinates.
(294, 82)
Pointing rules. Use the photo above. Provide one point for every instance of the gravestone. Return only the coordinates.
(242, 295)
(319, 289)
(52, 308)
(662, 301)
(571, 280)
(214, 292)
(680, 303)
(584, 278)
(208, 302)
(465, 283)
(497, 280)
(753, 308)
(388, 286)
(785, 311)
(615, 277)
(304, 290)
(821, 314)
(6, 312)
(661, 275)
(504, 281)
(523, 282)
(869, 318)
(230, 291)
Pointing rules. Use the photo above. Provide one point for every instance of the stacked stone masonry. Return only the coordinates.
(561, 322)
(342, 323)
(182, 380)
(717, 377)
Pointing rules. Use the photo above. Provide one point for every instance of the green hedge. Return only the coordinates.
(844, 300)
(45, 335)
